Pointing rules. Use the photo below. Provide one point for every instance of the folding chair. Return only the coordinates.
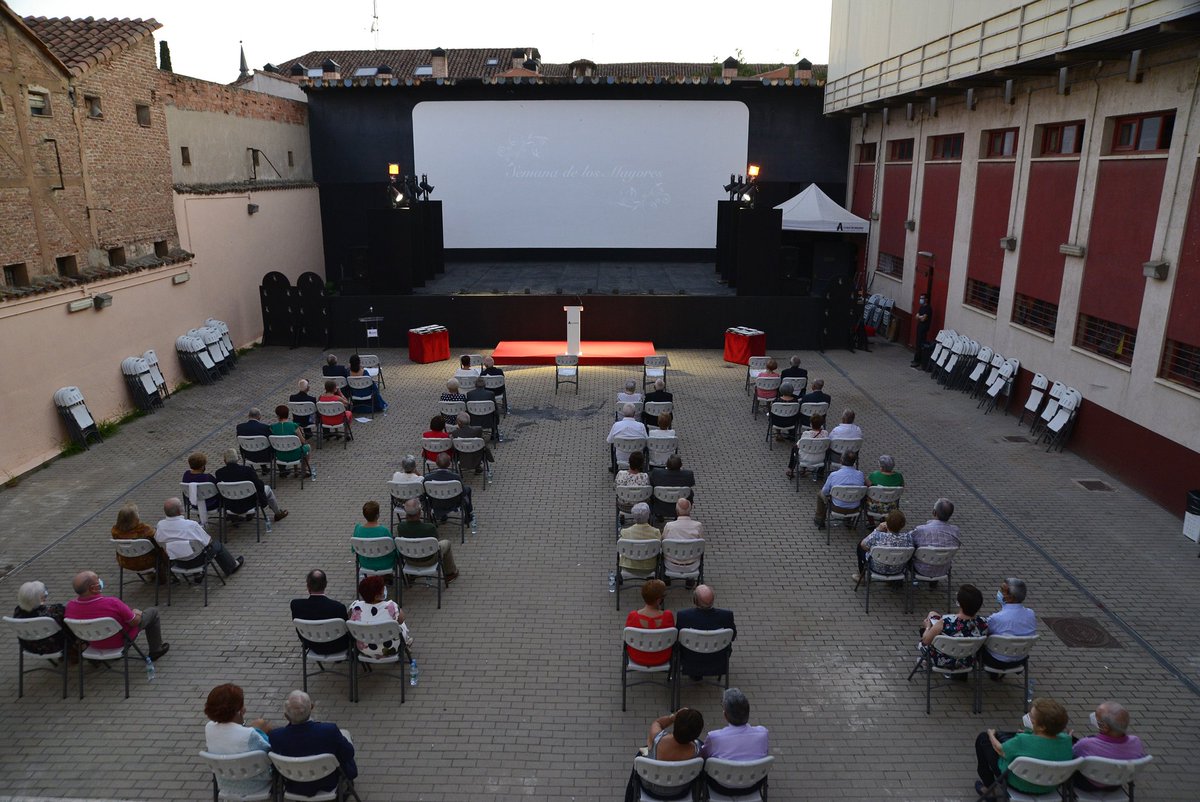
(627, 496)
(97, 629)
(881, 558)
(1058, 430)
(881, 495)
(566, 371)
(661, 449)
(683, 552)
(682, 775)
(450, 411)
(136, 548)
(1037, 394)
(334, 409)
(840, 445)
(373, 547)
(1053, 399)
(380, 632)
(255, 444)
(202, 492)
(310, 769)
(810, 408)
(639, 550)
(983, 360)
(766, 384)
(755, 366)
(747, 778)
(496, 385)
(810, 456)
(33, 629)
(156, 373)
(341, 381)
(701, 641)
(484, 415)
(416, 550)
(959, 649)
(622, 447)
(283, 443)
(1118, 775)
(304, 410)
(652, 409)
(648, 640)
(473, 445)
(1051, 773)
(324, 630)
(371, 362)
(799, 384)
(1015, 647)
(667, 496)
(241, 491)
(653, 369)
(782, 409)
(619, 409)
(237, 768)
(400, 493)
(846, 497)
(362, 394)
(434, 445)
(450, 490)
(183, 571)
(939, 559)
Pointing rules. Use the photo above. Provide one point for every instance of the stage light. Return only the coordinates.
(426, 187)
(752, 171)
(412, 187)
(396, 195)
(393, 169)
(731, 186)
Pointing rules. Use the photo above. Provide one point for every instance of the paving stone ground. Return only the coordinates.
(520, 694)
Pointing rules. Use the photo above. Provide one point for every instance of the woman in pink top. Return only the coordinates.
(772, 370)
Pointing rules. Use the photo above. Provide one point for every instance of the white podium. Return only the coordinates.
(573, 323)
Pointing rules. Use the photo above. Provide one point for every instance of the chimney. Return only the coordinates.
(583, 68)
(531, 65)
(437, 58)
(298, 70)
(804, 70)
(518, 58)
(331, 70)
(729, 68)
(384, 69)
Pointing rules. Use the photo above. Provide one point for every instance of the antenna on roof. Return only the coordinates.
(375, 21)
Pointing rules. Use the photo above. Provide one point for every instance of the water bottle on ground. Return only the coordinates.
(612, 581)
(1029, 693)
(474, 524)
(414, 672)
(149, 670)
(268, 522)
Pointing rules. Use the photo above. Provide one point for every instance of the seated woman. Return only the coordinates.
(664, 426)
(815, 431)
(787, 393)
(437, 428)
(31, 603)
(452, 393)
(673, 738)
(130, 527)
(331, 394)
(374, 607)
(651, 616)
(965, 624)
(772, 370)
(886, 534)
(283, 426)
(635, 476)
(226, 733)
(886, 476)
(1044, 740)
(631, 395)
(197, 474)
(356, 369)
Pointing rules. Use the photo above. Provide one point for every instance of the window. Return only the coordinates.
(143, 115)
(186, 156)
(1110, 340)
(890, 265)
(68, 266)
(16, 275)
(291, 159)
(1034, 313)
(161, 250)
(982, 295)
(254, 156)
(423, 70)
(900, 150)
(92, 104)
(116, 257)
(946, 147)
(39, 103)
(1181, 363)
(1147, 132)
(492, 62)
(1001, 144)
(1062, 139)
(866, 153)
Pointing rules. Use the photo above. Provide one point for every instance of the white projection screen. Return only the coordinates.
(580, 173)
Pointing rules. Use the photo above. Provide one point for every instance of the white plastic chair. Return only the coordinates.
(435, 445)
(566, 371)
(622, 447)
(668, 774)
(665, 498)
(755, 366)
(380, 632)
(810, 408)
(304, 410)
(324, 630)
(372, 361)
(419, 549)
(654, 368)
(255, 444)
(766, 384)
(483, 414)
(33, 629)
(156, 373)
(1059, 428)
(184, 572)
(332, 409)
(311, 769)
(496, 385)
(648, 640)
(451, 409)
(239, 767)
(939, 559)
(959, 649)
(195, 497)
(618, 410)
(840, 445)
(1016, 647)
(639, 550)
(372, 547)
(282, 443)
(1119, 775)
(239, 491)
(661, 449)
(402, 492)
(1037, 393)
(782, 409)
(982, 361)
(448, 490)
(473, 445)
(845, 497)
(362, 392)
(881, 495)
(130, 549)
(810, 455)
(701, 641)
(879, 560)
(627, 496)
(748, 777)
(683, 552)
(1053, 399)
(1051, 773)
(97, 629)
(652, 409)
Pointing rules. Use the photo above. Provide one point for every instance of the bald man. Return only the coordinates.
(684, 527)
(90, 602)
(704, 615)
(1111, 740)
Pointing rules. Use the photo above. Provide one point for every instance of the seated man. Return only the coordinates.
(938, 532)
(703, 615)
(490, 369)
(414, 527)
(1045, 740)
(740, 740)
(176, 535)
(627, 426)
(408, 471)
(465, 369)
(332, 368)
(683, 528)
(254, 427)
(641, 530)
(845, 476)
(657, 395)
(847, 429)
(673, 475)
(233, 471)
(283, 426)
(319, 607)
(302, 394)
(482, 393)
(90, 602)
(303, 737)
(472, 460)
(370, 528)
(794, 371)
(444, 474)
(815, 395)
(888, 533)
(1013, 619)
(1111, 722)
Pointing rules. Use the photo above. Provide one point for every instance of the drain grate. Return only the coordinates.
(1016, 438)
(1093, 485)
(1082, 633)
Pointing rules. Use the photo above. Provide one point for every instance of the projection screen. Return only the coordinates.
(580, 173)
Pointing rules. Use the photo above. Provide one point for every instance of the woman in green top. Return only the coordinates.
(886, 476)
(371, 528)
(995, 751)
(285, 426)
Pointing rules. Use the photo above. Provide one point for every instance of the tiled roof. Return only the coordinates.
(83, 43)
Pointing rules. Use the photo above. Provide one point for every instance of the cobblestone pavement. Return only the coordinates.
(519, 694)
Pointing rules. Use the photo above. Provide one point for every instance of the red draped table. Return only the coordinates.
(428, 344)
(741, 343)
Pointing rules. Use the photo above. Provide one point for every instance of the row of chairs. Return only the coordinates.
(84, 630)
(1118, 777)
(701, 641)
(1018, 648)
(238, 767)
(456, 447)
(145, 381)
(206, 353)
(314, 410)
(883, 562)
(332, 630)
(484, 414)
(1054, 420)
(273, 445)
(628, 495)
(566, 370)
(232, 496)
(961, 363)
(663, 552)
(650, 409)
(791, 409)
(407, 553)
(447, 496)
(746, 780)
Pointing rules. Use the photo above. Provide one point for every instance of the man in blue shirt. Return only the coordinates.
(303, 737)
(847, 475)
(1013, 619)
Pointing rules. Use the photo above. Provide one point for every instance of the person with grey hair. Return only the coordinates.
(1112, 740)
(304, 737)
(303, 395)
(937, 532)
(332, 368)
(408, 470)
(630, 395)
(627, 426)
(641, 530)
(482, 393)
(33, 602)
(787, 395)
(795, 371)
(683, 528)
(253, 426)
(91, 603)
(658, 395)
(1012, 619)
(815, 395)
(886, 476)
(847, 429)
(472, 460)
(740, 740)
(176, 535)
(453, 393)
(414, 527)
(234, 471)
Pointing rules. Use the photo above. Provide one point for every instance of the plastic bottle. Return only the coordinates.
(268, 521)
(1029, 693)
(414, 672)
(612, 581)
(474, 524)
(149, 670)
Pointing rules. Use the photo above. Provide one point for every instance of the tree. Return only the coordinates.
(164, 56)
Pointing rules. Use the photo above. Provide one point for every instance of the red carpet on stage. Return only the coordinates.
(542, 352)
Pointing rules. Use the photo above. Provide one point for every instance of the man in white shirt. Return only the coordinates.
(627, 426)
(176, 535)
(684, 528)
(847, 429)
(1013, 618)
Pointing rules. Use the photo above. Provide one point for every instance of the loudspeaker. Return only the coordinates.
(759, 233)
(726, 237)
(833, 259)
(392, 245)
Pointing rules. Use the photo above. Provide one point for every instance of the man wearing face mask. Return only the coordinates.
(1013, 618)
(924, 318)
(90, 602)
(1111, 722)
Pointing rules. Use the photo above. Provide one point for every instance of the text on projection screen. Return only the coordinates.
(580, 174)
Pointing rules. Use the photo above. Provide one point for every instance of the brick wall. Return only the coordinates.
(192, 94)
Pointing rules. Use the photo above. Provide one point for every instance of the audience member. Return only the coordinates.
(630, 395)
(302, 394)
(1013, 619)
(375, 607)
(176, 535)
(684, 727)
(227, 733)
(408, 470)
(658, 395)
(414, 527)
(471, 460)
(886, 534)
(197, 474)
(845, 476)
(641, 530)
(129, 526)
(1112, 740)
(233, 471)
(437, 429)
(771, 371)
(303, 737)
(847, 429)
(490, 369)
(482, 393)
(886, 476)
(651, 616)
(332, 394)
(937, 532)
(627, 427)
(674, 475)
(663, 425)
(786, 395)
(465, 369)
(815, 395)
(357, 371)
(254, 427)
(90, 603)
(370, 528)
(634, 476)
(1045, 740)
(815, 431)
(316, 606)
(440, 507)
(683, 528)
(740, 740)
(283, 426)
(924, 318)
(703, 615)
(794, 371)
(452, 393)
(966, 623)
(332, 368)
(32, 602)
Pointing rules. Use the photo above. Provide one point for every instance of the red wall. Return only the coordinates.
(939, 205)
(1184, 322)
(993, 192)
(893, 211)
(1123, 218)
(864, 182)
(1048, 205)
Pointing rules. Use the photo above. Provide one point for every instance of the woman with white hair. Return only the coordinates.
(453, 393)
(886, 476)
(31, 603)
(630, 396)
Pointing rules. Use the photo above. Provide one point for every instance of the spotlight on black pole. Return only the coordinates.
(426, 187)
(396, 194)
(412, 187)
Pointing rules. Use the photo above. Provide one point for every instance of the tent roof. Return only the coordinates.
(813, 210)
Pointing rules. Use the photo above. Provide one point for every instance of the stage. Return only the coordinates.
(591, 352)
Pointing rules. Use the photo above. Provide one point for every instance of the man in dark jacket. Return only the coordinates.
(316, 606)
(254, 427)
(816, 395)
(671, 476)
(236, 472)
(303, 737)
(705, 616)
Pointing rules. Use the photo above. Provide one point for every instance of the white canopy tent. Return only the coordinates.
(813, 210)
